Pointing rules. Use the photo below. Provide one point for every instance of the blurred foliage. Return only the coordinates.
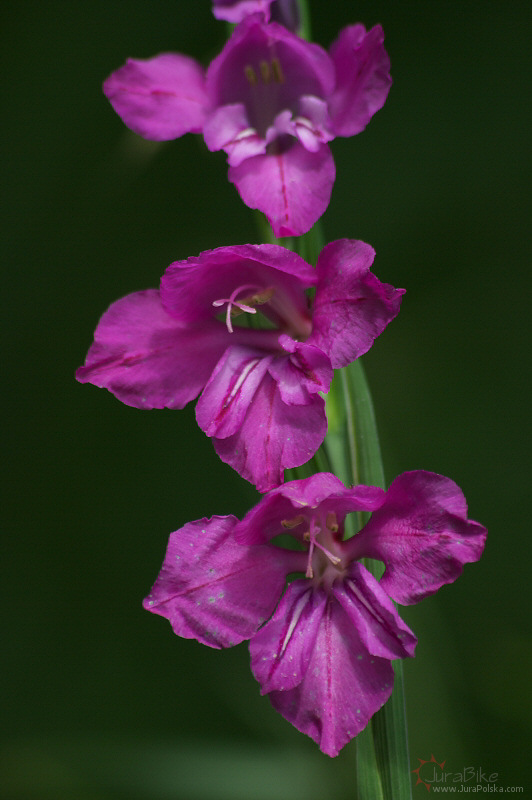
(100, 700)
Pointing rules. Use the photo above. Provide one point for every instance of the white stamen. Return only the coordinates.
(231, 301)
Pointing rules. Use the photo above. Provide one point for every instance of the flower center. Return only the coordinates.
(321, 537)
(267, 91)
(246, 304)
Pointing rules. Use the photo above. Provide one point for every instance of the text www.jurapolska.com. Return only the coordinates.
(478, 788)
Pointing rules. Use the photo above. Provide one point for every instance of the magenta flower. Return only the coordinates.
(271, 101)
(260, 386)
(324, 654)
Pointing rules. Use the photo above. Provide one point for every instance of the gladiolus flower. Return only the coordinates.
(260, 386)
(271, 101)
(323, 651)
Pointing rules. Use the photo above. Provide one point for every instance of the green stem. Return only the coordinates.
(383, 767)
(304, 30)
(350, 429)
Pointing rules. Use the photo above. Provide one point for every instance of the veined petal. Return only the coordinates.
(373, 614)
(146, 359)
(302, 372)
(221, 409)
(212, 589)
(273, 437)
(340, 691)
(281, 649)
(352, 307)
(422, 534)
(159, 98)
(291, 188)
(362, 78)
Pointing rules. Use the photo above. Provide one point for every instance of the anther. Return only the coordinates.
(277, 71)
(332, 559)
(265, 71)
(250, 74)
(293, 523)
(332, 522)
(262, 297)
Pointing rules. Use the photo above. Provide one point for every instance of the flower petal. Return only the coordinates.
(374, 615)
(292, 188)
(302, 498)
(281, 649)
(311, 124)
(212, 589)
(362, 78)
(352, 307)
(304, 371)
(422, 534)
(342, 687)
(189, 287)
(228, 128)
(146, 359)
(236, 10)
(235, 75)
(221, 409)
(159, 98)
(273, 437)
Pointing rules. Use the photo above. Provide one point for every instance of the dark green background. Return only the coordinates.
(101, 700)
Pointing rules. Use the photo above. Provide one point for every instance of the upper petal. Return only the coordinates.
(159, 98)
(302, 498)
(342, 686)
(352, 307)
(362, 78)
(273, 436)
(146, 359)
(422, 534)
(212, 589)
(304, 68)
(189, 288)
(292, 188)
